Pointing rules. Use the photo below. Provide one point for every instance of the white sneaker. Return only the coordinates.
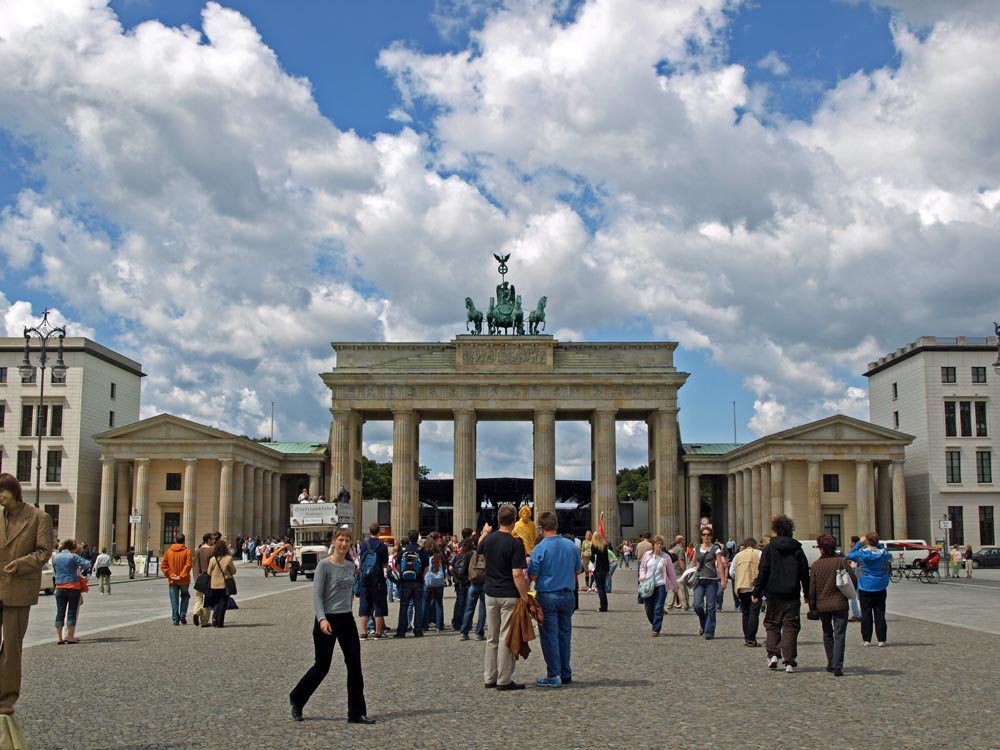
(772, 663)
(866, 643)
(881, 644)
(789, 668)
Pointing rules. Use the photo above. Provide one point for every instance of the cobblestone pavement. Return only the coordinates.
(152, 686)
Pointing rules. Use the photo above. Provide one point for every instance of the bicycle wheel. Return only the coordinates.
(896, 575)
(932, 576)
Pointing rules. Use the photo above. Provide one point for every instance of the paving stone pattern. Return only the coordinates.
(154, 686)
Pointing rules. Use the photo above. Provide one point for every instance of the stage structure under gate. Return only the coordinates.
(516, 378)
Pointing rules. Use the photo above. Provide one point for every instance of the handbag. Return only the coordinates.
(203, 583)
(844, 583)
(230, 581)
(84, 587)
(648, 584)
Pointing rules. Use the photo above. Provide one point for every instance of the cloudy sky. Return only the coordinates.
(787, 189)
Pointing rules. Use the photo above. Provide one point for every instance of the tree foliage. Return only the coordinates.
(634, 482)
(376, 482)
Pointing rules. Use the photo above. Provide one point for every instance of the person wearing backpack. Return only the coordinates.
(373, 558)
(434, 581)
(476, 595)
(460, 577)
(412, 563)
(783, 577)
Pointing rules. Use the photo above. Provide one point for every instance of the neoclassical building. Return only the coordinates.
(171, 475)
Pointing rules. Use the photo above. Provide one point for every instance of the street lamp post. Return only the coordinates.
(43, 331)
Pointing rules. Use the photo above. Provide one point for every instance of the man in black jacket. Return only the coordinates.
(784, 569)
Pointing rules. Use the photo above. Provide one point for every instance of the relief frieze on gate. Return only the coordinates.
(512, 392)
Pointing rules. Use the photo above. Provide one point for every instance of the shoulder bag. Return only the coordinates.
(844, 584)
(648, 584)
(230, 581)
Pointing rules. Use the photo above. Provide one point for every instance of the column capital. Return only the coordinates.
(544, 410)
(898, 461)
(463, 410)
(340, 411)
(863, 461)
(190, 460)
(813, 461)
(776, 461)
(109, 460)
(143, 461)
(670, 411)
(227, 460)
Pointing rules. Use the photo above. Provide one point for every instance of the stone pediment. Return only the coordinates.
(164, 427)
(840, 428)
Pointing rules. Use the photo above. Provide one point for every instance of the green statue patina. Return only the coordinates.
(505, 311)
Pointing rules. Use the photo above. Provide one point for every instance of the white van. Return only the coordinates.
(903, 554)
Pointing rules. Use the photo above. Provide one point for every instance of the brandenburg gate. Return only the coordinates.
(525, 378)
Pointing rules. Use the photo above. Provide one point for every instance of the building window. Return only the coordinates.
(953, 467)
(171, 527)
(114, 390)
(174, 482)
(53, 467)
(3, 376)
(950, 429)
(42, 420)
(980, 419)
(984, 468)
(24, 466)
(32, 377)
(831, 525)
(895, 420)
(111, 419)
(947, 374)
(831, 483)
(986, 534)
(53, 511)
(3, 415)
(978, 374)
(957, 524)
(55, 429)
(57, 379)
(895, 391)
(965, 417)
(27, 413)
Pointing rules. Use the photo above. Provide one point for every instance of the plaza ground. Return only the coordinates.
(153, 686)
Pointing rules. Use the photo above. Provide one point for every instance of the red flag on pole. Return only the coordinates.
(600, 524)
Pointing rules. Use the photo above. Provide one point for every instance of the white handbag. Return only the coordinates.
(844, 583)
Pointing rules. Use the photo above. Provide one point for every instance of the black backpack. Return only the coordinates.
(409, 567)
(460, 568)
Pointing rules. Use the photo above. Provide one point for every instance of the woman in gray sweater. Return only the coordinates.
(333, 595)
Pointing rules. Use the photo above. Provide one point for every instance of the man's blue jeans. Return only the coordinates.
(556, 632)
(475, 595)
(179, 609)
(458, 614)
(706, 594)
(411, 592)
(654, 607)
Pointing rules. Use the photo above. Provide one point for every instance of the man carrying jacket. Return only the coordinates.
(176, 566)
(784, 572)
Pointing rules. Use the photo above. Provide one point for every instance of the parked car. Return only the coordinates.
(48, 580)
(986, 557)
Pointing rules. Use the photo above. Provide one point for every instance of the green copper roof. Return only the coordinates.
(710, 449)
(296, 447)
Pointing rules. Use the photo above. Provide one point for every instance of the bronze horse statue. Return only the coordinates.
(473, 316)
(537, 316)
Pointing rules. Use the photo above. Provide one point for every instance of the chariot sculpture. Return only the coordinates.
(505, 311)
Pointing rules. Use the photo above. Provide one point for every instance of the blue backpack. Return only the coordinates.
(409, 568)
(369, 573)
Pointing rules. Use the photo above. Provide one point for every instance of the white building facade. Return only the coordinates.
(945, 393)
(99, 391)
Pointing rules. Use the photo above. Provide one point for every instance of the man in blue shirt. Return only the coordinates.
(412, 563)
(555, 561)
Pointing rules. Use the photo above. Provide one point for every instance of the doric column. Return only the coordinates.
(668, 514)
(190, 500)
(106, 519)
(254, 523)
(759, 511)
(862, 490)
(765, 492)
(141, 540)
(812, 520)
(751, 511)
(732, 514)
(251, 512)
(653, 507)
(264, 520)
(258, 501)
(736, 481)
(694, 505)
(401, 512)
(226, 494)
(277, 507)
(898, 501)
(883, 500)
(605, 486)
(777, 488)
(340, 452)
(314, 485)
(236, 509)
(544, 444)
(465, 470)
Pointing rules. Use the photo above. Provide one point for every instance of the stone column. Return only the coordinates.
(254, 523)
(736, 481)
(813, 520)
(264, 521)
(141, 540)
(759, 512)
(694, 505)
(190, 500)
(465, 470)
(340, 452)
(883, 501)
(236, 509)
(544, 443)
(264, 513)
(226, 494)
(751, 517)
(777, 488)
(277, 506)
(314, 485)
(251, 512)
(898, 501)
(864, 514)
(654, 501)
(605, 496)
(106, 519)
(731, 530)
(401, 512)
(668, 519)
(765, 493)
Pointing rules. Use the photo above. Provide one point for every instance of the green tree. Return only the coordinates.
(376, 482)
(634, 482)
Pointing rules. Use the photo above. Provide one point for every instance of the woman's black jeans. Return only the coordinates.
(344, 630)
(873, 610)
